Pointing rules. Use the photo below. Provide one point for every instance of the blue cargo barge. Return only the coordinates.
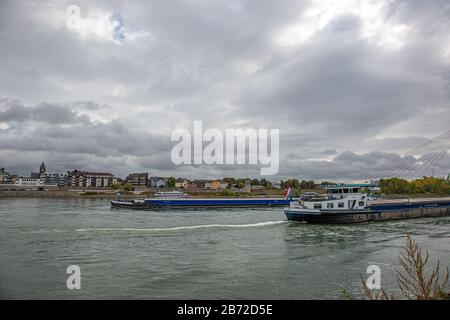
(161, 203)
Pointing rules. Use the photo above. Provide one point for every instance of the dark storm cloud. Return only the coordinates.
(343, 98)
(54, 130)
(14, 111)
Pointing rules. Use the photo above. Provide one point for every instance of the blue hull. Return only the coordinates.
(215, 202)
(200, 203)
(376, 212)
(409, 205)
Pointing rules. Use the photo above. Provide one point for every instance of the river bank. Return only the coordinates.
(59, 194)
(110, 194)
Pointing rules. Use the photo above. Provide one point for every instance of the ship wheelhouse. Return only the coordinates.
(340, 197)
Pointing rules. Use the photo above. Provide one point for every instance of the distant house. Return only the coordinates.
(158, 182)
(58, 179)
(77, 178)
(181, 183)
(247, 187)
(137, 179)
(3, 174)
(5, 177)
(197, 184)
(276, 185)
(29, 182)
(216, 185)
(258, 187)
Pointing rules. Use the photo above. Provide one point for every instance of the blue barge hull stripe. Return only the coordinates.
(409, 205)
(215, 202)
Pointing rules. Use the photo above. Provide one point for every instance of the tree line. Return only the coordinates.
(425, 185)
(304, 184)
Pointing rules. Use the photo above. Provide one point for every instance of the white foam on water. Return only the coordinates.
(201, 226)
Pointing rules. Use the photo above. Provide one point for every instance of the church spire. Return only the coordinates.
(42, 168)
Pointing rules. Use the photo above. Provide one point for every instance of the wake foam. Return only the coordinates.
(201, 226)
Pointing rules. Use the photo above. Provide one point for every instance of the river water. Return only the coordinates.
(203, 254)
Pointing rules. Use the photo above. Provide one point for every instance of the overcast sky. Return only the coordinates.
(348, 83)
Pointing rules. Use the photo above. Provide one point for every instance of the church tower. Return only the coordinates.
(42, 168)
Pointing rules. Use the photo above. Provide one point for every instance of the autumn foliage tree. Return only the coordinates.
(425, 185)
(415, 281)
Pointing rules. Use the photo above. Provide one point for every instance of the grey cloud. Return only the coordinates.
(399, 145)
(330, 152)
(87, 105)
(338, 88)
(44, 112)
(372, 158)
(60, 131)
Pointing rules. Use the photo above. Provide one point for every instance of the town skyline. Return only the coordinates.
(42, 171)
(84, 178)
